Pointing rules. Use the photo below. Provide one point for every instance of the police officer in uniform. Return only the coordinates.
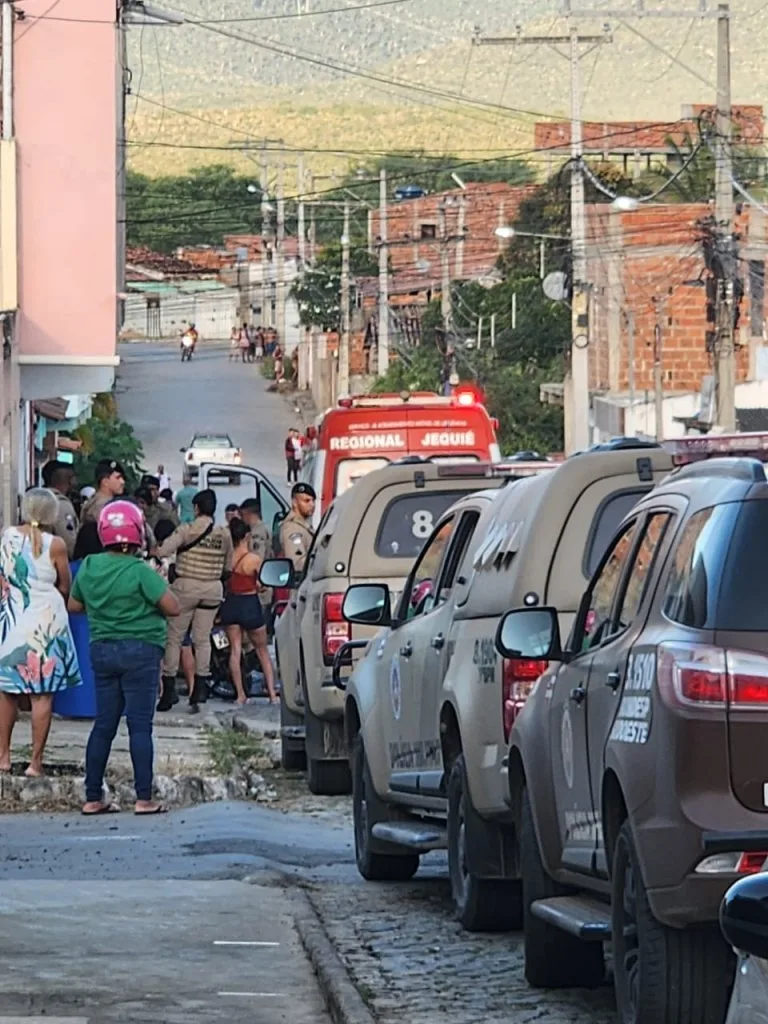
(110, 484)
(260, 541)
(296, 531)
(203, 554)
(59, 477)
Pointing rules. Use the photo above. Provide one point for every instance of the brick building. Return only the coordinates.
(471, 218)
(647, 272)
(640, 145)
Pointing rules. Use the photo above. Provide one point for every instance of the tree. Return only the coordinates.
(198, 208)
(318, 292)
(105, 436)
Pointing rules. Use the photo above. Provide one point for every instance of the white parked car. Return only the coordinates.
(218, 448)
(744, 921)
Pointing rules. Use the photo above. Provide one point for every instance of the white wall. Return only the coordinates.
(214, 313)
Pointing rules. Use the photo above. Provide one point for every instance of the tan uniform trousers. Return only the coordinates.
(199, 600)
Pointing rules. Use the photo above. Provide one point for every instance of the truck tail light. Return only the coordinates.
(190, 456)
(336, 631)
(701, 675)
(518, 678)
(238, 456)
(734, 863)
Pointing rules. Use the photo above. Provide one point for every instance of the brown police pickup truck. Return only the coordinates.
(638, 777)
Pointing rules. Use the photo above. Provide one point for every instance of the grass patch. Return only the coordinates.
(230, 750)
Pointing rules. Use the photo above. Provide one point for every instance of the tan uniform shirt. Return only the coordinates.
(66, 523)
(155, 513)
(295, 539)
(206, 560)
(261, 540)
(91, 509)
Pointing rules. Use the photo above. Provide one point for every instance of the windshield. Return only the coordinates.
(409, 520)
(211, 442)
(349, 471)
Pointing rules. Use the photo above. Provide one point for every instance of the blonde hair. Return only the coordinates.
(39, 507)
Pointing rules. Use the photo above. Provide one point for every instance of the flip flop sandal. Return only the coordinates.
(160, 809)
(104, 809)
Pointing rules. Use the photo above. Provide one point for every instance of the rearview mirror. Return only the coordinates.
(744, 915)
(182, 450)
(276, 572)
(529, 633)
(367, 604)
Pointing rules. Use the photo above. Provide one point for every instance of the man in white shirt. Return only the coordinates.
(164, 478)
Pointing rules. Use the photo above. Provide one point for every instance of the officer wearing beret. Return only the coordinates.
(59, 477)
(296, 529)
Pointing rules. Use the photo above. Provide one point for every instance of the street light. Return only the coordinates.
(509, 231)
(625, 204)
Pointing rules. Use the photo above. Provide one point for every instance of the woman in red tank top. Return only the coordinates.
(242, 612)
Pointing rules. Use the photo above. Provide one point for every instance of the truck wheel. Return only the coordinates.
(328, 778)
(662, 975)
(553, 958)
(293, 756)
(481, 904)
(373, 863)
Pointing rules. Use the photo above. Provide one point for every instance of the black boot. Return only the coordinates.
(168, 691)
(199, 693)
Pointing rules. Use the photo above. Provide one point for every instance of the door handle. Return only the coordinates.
(293, 604)
(613, 679)
(438, 642)
(406, 650)
(578, 693)
(303, 600)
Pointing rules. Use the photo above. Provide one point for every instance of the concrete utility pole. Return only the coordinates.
(725, 356)
(266, 300)
(446, 305)
(383, 344)
(301, 184)
(576, 384)
(658, 379)
(343, 378)
(280, 257)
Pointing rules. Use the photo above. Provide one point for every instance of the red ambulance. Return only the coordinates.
(365, 432)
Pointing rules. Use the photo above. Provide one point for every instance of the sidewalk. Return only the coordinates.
(184, 770)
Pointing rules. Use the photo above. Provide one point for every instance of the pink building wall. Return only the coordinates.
(66, 124)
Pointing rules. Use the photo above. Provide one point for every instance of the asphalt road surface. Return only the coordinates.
(167, 401)
(148, 920)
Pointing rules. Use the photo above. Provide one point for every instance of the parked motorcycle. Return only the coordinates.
(221, 678)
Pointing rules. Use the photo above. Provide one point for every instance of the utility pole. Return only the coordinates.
(301, 183)
(446, 306)
(658, 392)
(725, 356)
(280, 257)
(343, 378)
(576, 384)
(383, 343)
(266, 300)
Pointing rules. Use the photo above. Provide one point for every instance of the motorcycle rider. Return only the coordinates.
(188, 342)
(203, 554)
(296, 531)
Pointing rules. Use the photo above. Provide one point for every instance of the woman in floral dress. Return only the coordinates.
(37, 653)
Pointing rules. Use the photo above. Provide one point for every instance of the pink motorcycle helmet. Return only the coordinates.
(121, 522)
(421, 591)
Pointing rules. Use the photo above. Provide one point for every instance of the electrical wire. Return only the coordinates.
(226, 21)
(672, 57)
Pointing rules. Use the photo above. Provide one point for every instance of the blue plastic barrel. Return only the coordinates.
(78, 701)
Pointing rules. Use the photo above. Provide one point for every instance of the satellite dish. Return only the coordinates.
(554, 286)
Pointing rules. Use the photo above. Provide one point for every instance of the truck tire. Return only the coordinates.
(481, 904)
(553, 958)
(662, 975)
(293, 756)
(328, 778)
(373, 862)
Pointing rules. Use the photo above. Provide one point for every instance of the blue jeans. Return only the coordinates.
(127, 675)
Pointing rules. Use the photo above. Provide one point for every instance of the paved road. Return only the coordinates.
(167, 401)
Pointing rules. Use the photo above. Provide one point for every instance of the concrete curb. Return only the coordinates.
(345, 1004)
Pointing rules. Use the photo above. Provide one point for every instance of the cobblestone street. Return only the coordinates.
(412, 962)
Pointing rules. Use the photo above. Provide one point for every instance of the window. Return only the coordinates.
(742, 603)
(756, 297)
(272, 510)
(428, 231)
(606, 523)
(426, 570)
(408, 521)
(697, 566)
(597, 621)
(455, 556)
(640, 572)
(349, 471)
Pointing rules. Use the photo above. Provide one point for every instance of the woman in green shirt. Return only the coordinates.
(127, 604)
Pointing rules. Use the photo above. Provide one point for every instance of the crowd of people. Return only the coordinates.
(153, 573)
